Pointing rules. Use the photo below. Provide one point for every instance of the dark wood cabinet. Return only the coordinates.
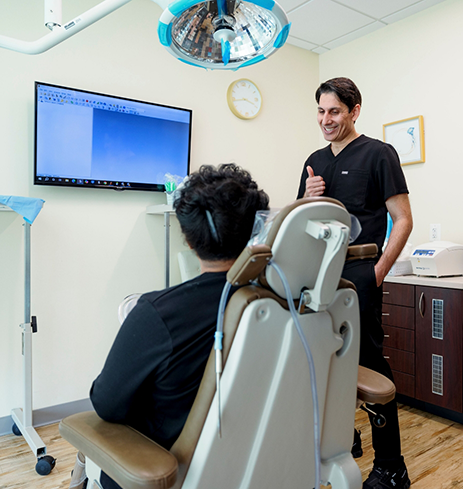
(399, 294)
(423, 342)
(401, 316)
(439, 362)
(399, 334)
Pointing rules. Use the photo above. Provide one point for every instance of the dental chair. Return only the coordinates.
(266, 434)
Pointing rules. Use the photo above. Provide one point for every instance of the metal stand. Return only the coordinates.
(167, 247)
(167, 210)
(23, 417)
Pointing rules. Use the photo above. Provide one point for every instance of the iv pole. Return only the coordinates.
(23, 417)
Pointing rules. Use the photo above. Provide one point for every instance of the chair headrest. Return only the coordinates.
(296, 247)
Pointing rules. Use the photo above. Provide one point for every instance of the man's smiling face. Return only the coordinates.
(334, 118)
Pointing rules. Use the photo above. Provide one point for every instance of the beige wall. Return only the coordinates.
(414, 68)
(91, 248)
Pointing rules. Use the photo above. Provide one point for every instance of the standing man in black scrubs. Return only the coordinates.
(366, 176)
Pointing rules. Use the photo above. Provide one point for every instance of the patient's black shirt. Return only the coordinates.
(154, 368)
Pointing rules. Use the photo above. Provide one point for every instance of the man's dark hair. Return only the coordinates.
(216, 209)
(344, 88)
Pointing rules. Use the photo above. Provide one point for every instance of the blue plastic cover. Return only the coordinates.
(267, 4)
(27, 207)
(181, 5)
(282, 36)
(190, 63)
(222, 7)
(253, 61)
(164, 33)
(225, 52)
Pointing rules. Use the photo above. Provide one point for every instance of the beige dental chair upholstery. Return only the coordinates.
(266, 404)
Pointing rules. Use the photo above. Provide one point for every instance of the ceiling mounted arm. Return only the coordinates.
(60, 32)
(53, 14)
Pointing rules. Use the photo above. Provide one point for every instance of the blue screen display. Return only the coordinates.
(94, 140)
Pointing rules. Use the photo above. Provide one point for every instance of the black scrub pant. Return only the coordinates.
(386, 440)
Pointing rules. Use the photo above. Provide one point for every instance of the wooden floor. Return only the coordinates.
(432, 446)
(17, 462)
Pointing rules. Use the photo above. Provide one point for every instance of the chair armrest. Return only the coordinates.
(130, 458)
(373, 387)
(362, 252)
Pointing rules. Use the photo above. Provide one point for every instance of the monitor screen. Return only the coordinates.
(87, 139)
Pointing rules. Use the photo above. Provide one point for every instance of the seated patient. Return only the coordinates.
(153, 371)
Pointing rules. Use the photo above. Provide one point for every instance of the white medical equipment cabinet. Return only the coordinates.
(28, 208)
(438, 259)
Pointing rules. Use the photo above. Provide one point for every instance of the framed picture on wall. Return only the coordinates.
(407, 137)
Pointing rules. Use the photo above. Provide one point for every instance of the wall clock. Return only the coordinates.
(244, 99)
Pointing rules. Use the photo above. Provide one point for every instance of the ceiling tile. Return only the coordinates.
(363, 31)
(300, 43)
(413, 9)
(289, 5)
(322, 21)
(377, 8)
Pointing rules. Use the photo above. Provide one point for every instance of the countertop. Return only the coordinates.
(445, 282)
(160, 209)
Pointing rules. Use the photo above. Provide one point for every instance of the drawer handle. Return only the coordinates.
(385, 292)
(385, 314)
(421, 305)
(387, 358)
(386, 336)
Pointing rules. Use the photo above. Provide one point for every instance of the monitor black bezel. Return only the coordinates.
(53, 182)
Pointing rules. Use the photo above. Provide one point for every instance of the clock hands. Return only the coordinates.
(246, 100)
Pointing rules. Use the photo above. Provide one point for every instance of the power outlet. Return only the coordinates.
(434, 232)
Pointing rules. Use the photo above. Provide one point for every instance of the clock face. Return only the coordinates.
(244, 99)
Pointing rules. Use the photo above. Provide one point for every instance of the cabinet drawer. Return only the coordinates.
(398, 338)
(400, 316)
(404, 383)
(399, 294)
(402, 361)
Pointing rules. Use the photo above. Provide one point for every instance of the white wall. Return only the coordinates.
(90, 248)
(412, 68)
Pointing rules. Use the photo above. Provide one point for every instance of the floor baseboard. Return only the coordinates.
(49, 415)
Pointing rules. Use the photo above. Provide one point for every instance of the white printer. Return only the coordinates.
(438, 259)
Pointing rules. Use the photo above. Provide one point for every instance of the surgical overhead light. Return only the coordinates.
(216, 34)
(223, 34)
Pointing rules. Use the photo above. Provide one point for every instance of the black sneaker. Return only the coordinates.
(357, 445)
(387, 479)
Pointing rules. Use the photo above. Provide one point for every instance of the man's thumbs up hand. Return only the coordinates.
(314, 186)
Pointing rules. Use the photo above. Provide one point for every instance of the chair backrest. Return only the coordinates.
(184, 447)
(301, 255)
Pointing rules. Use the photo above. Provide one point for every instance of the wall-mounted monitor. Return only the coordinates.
(88, 139)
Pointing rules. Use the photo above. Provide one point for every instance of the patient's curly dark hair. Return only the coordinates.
(216, 209)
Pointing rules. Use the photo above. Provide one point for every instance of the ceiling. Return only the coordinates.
(322, 25)
(317, 25)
